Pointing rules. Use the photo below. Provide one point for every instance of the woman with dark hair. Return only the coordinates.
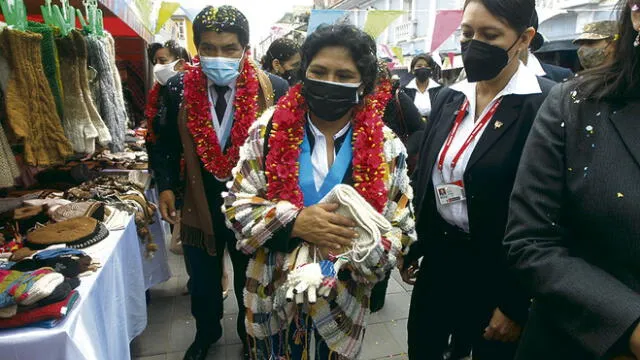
(574, 224)
(468, 161)
(168, 60)
(283, 59)
(326, 136)
(423, 89)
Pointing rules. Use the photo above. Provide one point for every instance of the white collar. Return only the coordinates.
(318, 134)
(534, 65)
(523, 82)
(231, 86)
(413, 84)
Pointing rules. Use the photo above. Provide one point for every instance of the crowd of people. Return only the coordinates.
(508, 199)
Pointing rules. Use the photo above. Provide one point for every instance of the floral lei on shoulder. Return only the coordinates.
(152, 108)
(282, 167)
(199, 119)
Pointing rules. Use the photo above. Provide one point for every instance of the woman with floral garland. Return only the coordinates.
(325, 132)
(223, 96)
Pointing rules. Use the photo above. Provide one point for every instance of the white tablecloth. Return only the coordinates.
(109, 314)
(156, 270)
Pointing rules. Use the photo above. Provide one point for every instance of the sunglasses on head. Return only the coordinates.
(634, 5)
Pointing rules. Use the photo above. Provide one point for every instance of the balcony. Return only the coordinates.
(405, 31)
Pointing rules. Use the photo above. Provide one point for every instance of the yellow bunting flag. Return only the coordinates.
(379, 20)
(397, 51)
(167, 9)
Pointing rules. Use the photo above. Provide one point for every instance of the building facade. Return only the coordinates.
(563, 20)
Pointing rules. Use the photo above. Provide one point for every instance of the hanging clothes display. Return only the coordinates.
(31, 109)
(111, 51)
(50, 61)
(76, 122)
(104, 137)
(105, 92)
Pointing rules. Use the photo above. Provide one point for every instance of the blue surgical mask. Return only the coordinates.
(222, 71)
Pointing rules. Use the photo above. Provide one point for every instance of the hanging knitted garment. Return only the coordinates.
(111, 50)
(31, 110)
(105, 92)
(9, 170)
(76, 122)
(104, 137)
(49, 61)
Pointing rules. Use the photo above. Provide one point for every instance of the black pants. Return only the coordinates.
(450, 300)
(205, 277)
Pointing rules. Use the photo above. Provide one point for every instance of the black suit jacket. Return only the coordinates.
(433, 93)
(488, 180)
(556, 73)
(574, 227)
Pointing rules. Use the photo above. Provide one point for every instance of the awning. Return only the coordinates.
(558, 45)
(119, 19)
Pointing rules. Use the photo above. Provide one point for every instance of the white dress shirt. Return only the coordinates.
(319, 157)
(423, 100)
(222, 127)
(523, 82)
(534, 65)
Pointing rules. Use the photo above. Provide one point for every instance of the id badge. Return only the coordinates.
(450, 193)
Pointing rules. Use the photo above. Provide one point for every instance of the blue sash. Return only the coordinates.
(334, 177)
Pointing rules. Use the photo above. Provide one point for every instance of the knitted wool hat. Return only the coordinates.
(92, 209)
(49, 61)
(40, 288)
(61, 292)
(104, 137)
(68, 265)
(30, 106)
(49, 312)
(77, 121)
(105, 93)
(67, 232)
(8, 312)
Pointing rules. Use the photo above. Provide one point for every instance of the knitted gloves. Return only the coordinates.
(31, 110)
(77, 121)
(319, 278)
(104, 137)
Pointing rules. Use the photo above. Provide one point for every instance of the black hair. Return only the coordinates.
(426, 57)
(621, 79)
(175, 50)
(225, 18)
(361, 46)
(281, 49)
(515, 13)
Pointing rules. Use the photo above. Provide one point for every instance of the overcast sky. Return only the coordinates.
(262, 14)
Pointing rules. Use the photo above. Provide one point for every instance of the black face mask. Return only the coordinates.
(291, 76)
(423, 74)
(330, 101)
(483, 61)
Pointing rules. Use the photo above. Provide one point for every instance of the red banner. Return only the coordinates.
(447, 22)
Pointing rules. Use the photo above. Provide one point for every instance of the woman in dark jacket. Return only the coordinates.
(423, 89)
(574, 225)
(468, 161)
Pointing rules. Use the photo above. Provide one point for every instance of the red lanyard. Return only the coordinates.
(456, 126)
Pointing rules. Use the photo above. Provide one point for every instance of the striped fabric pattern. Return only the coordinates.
(340, 319)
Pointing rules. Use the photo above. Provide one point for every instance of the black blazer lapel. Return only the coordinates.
(436, 138)
(627, 125)
(506, 116)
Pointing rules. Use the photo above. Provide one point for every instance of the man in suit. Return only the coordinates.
(551, 72)
(223, 96)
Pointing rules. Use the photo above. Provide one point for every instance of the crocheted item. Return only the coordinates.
(105, 93)
(50, 61)
(69, 231)
(27, 288)
(8, 167)
(76, 122)
(104, 137)
(91, 209)
(49, 312)
(110, 46)
(30, 106)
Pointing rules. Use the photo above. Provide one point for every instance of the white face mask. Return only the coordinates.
(163, 73)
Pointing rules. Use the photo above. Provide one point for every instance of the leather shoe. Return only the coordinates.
(197, 351)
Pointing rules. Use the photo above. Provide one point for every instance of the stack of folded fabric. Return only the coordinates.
(42, 295)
